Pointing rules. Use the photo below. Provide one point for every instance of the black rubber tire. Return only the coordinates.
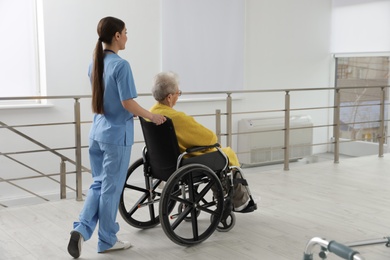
(227, 224)
(195, 182)
(136, 192)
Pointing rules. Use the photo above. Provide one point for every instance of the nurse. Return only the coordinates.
(111, 138)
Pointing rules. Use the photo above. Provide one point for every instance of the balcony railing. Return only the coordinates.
(222, 132)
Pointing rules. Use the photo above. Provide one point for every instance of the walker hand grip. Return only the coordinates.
(341, 250)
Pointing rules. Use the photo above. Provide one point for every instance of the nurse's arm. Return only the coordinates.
(133, 107)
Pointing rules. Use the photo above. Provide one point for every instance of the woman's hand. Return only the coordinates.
(158, 119)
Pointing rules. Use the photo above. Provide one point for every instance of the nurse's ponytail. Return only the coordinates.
(106, 30)
(97, 79)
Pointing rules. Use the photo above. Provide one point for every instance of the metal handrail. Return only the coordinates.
(63, 158)
(46, 148)
(286, 110)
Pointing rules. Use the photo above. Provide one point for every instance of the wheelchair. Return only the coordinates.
(189, 196)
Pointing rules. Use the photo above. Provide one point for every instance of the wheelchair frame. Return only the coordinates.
(195, 199)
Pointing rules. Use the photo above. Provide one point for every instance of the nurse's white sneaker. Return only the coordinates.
(119, 245)
(75, 244)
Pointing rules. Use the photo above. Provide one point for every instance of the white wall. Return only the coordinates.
(204, 49)
(360, 26)
(286, 46)
(70, 33)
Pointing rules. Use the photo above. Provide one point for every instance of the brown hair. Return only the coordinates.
(106, 29)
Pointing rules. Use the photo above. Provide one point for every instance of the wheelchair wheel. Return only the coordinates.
(180, 209)
(140, 198)
(226, 224)
(201, 193)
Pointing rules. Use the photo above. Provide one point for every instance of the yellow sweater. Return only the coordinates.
(191, 133)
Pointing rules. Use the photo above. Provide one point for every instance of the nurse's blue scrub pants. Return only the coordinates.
(109, 165)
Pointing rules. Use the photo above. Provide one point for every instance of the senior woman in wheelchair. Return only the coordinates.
(191, 133)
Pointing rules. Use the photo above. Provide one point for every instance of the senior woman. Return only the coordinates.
(191, 133)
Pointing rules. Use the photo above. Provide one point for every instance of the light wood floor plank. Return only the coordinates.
(345, 202)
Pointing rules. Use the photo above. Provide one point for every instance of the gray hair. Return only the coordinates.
(165, 83)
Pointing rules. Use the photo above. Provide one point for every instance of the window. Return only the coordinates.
(359, 107)
(19, 69)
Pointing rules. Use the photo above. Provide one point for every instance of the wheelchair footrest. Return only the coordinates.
(242, 181)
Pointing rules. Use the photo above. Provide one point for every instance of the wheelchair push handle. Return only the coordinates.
(334, 247)
(201, 148)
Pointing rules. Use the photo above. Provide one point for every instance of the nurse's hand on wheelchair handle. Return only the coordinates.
(158, 119)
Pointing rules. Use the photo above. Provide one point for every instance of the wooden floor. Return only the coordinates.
(345, 202)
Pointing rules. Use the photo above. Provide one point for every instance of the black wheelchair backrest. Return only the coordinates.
(162, 149)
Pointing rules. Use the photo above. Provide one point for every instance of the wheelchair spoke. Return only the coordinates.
(179, 199)
(192, 193)
(139, 200)
(200, 192)
(180, 217)
(204, 191)
(136, 205)
(200, 198)
(207, 210)
(132, 187)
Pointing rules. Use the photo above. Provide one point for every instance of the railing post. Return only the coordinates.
(78, 149)
(336, 129)
(62, 179)
(287, 131)
(229, 120)
(382, 122)
(218, 125)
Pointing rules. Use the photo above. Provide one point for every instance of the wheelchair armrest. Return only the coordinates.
(201, 148)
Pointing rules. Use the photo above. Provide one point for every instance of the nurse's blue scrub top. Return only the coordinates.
(116, 125)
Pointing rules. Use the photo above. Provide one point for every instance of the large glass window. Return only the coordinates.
(19, 67)
(360, 107)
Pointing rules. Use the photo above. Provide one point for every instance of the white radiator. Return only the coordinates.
(266, 146)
